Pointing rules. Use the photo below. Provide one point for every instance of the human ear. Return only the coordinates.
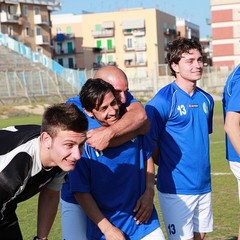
(175, 67)
(46, 139)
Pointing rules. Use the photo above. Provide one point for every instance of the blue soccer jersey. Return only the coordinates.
(116, 179)
(180, 125)
(231, 103)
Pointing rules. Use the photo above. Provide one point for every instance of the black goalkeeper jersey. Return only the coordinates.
(21, 171)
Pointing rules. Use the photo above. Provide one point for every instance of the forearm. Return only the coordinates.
(134, 122)
(90, 207)
(232, 129)
(47, 209)
(150, 175)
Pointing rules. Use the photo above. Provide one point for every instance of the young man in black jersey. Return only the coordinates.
(35, 159)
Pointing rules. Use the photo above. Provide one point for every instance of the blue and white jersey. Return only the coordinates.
(180, 124)
(231, 103)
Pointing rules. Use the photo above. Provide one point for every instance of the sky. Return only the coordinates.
(196, 12)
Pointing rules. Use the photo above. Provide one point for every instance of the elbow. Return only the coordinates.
(227, 128)
(145, 126)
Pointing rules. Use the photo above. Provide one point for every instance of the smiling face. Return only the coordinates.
(108, 112)
(190, 66)
(64, 150)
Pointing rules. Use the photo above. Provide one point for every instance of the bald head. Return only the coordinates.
(116, 77)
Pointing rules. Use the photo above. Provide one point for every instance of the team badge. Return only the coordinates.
(205, 108)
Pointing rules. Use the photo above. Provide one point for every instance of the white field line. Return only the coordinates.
(220, 174)
(216, 142)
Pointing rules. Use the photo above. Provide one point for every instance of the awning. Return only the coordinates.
(133, 23)
(108, 24)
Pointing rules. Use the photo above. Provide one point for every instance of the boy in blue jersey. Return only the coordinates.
(100, 137)
(180, 117)
(231, 110)
(115, 187)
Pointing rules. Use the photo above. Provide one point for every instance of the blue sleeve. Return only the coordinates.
(234, 100)
(92, 123)
(158, 113)
(210, 118)
(76, 101)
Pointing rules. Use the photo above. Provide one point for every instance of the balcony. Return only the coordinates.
(136, 48)
(41, 20)
(42, 40)
(9, 18)
(103, 33)
(61, 52)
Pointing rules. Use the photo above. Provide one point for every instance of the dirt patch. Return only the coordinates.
(36, 109)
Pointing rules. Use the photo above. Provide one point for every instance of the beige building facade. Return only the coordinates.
(29, 22)
(134, 39)
(225, 25)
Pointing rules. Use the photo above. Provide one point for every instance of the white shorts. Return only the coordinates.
(74, 221)
(157, 234)
(185, 214)
(235, 168)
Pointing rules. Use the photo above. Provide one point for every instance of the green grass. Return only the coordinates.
(224, 189)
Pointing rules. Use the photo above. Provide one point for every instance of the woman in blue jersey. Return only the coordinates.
(231, 109)
(115, 187)
(180, 117)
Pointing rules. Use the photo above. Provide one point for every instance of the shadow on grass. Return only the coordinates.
(232, 238)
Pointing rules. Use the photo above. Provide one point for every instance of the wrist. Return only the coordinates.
(38, 238)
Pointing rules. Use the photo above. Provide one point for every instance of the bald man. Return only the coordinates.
(133, 120)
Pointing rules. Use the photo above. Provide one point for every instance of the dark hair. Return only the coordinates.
(65, 117)
(179, 46)
(93, 93)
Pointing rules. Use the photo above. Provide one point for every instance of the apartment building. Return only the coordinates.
(187, 29)
(68, 41)
(225, 25)
(28, 21)
(133, 39)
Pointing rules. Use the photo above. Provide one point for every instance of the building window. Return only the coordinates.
(99, 44)
(110, 58)
(39, 50)
(38, 31)
(37, 10)
(109, 44)
(70, 47)
(60, 48)
(11, 9)
(129, 43)
(99, 58)
(70, 63)
(10, 30)
(60, 61)
(98, 27)
(25, 10)
(26, 32)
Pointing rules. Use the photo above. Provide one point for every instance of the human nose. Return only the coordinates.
(112, 110)
(77, 152)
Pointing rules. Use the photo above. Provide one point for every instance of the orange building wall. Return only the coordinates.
(222, 16)
(223, 50)
(222, 33)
